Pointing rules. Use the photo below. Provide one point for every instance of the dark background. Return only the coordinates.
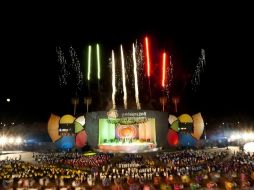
(29, 67)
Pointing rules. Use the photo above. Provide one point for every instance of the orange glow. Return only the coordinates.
(163, 70)
(147, 57)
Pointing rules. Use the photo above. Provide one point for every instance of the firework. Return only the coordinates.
(147, 57)
(98, 67)
(63, 73)
(123, 78)
(89, 68)
(148, 65)
(89, 62)
(202, 58)
(176, 100)
(113, 80)
(163, 70)
(98, 62)
(135, 77)
(195, 81)
(75, 65)
(140, 61)
(169, 76)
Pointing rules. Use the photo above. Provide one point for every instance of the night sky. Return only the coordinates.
(29, 67)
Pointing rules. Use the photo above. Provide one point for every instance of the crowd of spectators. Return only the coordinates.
(188, 169)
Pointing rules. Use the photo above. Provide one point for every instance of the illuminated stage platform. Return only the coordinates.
(126, 131)
(134, 147)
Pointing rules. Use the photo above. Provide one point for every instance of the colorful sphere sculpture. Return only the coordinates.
(185, 130)
(77, 136)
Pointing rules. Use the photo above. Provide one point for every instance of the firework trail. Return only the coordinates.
(89, 67)
(98, 66)
(89, 62)
(147, 56)
(98, 62)
(75, 65)
(63, 73)
(163, 70)
(169, 74)
(123, 78)
(163, 79)
(176, 100)
(202, 59)
(113, 80)
(129, 69)
(148, 64)
(136, 77)
(140, 62)
(195, 81)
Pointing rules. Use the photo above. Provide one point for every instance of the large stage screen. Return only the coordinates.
(127, 134)
(127, 130)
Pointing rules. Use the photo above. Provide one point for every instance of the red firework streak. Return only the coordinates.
(148, 65)
(163, 70)
(148, 68)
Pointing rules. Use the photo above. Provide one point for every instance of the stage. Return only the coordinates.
(127, 147)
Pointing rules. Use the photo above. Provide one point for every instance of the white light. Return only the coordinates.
(233, 137)
(18, 140)
(11, 140)
(244, 136)
(3, 140)
(247, 136)
(249, 147)
(8, 99)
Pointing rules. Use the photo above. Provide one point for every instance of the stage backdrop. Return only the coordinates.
(156, 123)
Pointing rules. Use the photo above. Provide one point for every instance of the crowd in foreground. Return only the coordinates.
(186, 169)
